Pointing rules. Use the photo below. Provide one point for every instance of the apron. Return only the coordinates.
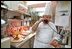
(44, 35)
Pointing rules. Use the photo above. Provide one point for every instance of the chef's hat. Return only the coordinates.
(48, 10)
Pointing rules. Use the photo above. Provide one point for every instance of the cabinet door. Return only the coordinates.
(25, 45)
(29, 43)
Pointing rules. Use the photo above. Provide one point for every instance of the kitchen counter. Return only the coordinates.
(19, 44)
(5, 42)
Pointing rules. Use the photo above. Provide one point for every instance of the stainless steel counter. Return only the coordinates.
(5, 42)
(19, 44)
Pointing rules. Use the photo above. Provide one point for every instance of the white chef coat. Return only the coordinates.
(44, 35)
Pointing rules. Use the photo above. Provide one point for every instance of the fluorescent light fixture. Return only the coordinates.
(36, 2)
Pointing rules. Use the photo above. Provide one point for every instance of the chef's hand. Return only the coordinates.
(41, 19)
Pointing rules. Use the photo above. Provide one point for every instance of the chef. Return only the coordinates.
(44, 33)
